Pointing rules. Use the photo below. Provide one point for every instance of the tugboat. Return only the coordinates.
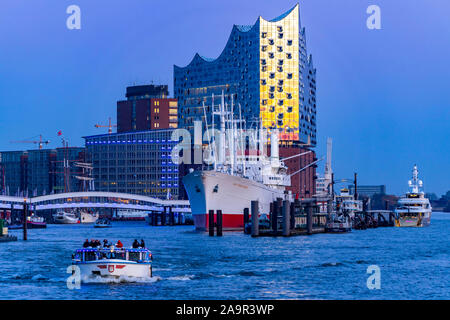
(113, 262)
(413, 210)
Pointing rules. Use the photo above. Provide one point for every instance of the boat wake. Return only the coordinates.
(121, 279)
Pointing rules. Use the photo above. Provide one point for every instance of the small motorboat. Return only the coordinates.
(102, 223)
(113, 262)
(339, 224)
(36, 222)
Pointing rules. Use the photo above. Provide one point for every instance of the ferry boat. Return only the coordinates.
(339, 223)
(102, 223)
(113, 262)
(88, 217)
(129, 215)
(36, 222)
(347, 204)
(238, 176)
(413, 210)
(65, 217)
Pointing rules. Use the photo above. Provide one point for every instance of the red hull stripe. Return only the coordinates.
(231, 221)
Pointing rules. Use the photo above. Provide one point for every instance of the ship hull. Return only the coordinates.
(417, 221)
(111, 268)
(212, 190)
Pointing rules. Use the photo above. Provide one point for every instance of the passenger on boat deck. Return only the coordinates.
(105, 243)
(119, 244)
(142, 243)
(86, 243)
(135, 244)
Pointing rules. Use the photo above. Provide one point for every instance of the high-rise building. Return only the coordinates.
(39, 172)
(265, 69)
(266, 72)
(147, 107)
(137, 162)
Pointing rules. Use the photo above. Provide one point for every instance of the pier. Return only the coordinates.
(300, 218)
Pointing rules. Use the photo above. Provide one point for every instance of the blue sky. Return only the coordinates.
(383, 95)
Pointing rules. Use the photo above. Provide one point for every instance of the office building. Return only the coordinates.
(147, 107)
(137, 162)
(40, 172)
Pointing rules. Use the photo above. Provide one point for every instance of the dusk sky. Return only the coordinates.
(382, 95)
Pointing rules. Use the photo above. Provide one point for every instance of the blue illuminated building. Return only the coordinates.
(137, 162)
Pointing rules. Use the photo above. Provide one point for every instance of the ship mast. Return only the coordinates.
(415, 183)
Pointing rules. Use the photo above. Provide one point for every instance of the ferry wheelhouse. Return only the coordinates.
(413, 210)
(113, 262)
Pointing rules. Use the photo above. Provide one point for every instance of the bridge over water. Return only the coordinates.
(93, 199)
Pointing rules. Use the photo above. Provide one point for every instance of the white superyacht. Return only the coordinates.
(413, 210)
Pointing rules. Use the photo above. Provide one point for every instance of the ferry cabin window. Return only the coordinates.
(134, 256)
(90, 256)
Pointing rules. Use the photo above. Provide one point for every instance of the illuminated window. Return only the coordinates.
(280, 102)
(272, 75)
(264, 35)
(264, 102)
(289, 42)
(264, 68)
(280, 36)
(280, 69)
(289, 75)
(280, 29)
(271, 42)
(263, 82)
(280, 49)
(289, 55)
(271, 55)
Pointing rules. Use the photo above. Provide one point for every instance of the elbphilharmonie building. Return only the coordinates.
(265, 68)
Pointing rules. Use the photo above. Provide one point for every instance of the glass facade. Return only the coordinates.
(134, 162)
(39, 172)
(267, 72)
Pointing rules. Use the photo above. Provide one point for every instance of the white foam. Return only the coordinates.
(181, 278)
(121, 279)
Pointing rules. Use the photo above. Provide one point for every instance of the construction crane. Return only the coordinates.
(39, 142)
(109, 126)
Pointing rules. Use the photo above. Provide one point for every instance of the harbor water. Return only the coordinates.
(414, 264)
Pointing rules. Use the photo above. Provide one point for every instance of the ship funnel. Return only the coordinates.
(274, 149)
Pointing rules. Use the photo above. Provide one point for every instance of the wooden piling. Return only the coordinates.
(25, 215)
(309, 218)
(286, 218)
(246, 216)
(274, 217)
(171, 217)
(211, 223)
(219, 223)
(292, 216)
(255, 218)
